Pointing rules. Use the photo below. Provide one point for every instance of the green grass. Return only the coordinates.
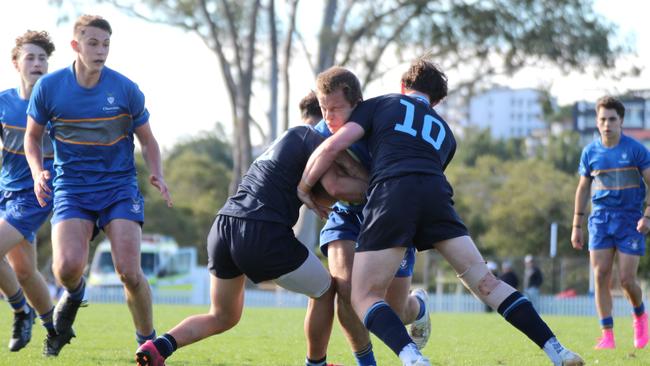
(274, 337)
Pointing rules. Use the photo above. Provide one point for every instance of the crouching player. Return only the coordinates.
(252, 237)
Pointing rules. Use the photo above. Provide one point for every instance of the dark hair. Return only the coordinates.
(339, 78)
(609, 102)
(40, 39)
(91, 21)
(424, 76)
(309, 106)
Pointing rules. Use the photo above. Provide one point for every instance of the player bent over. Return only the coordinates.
(410, 201)
(252, 237)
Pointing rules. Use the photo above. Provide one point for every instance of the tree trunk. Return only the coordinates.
(286, 62)
(273, 110)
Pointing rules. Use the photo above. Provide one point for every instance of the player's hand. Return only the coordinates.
(304, 194)
(643, 226)
(41, 188)
(159, 183)
(576, 238)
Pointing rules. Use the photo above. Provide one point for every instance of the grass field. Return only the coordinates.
(274, 337)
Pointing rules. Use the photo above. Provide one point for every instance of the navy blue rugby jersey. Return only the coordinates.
(268, 190)
(405, 136)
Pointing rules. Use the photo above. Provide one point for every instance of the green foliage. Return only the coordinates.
(563, 151)
(478, 142)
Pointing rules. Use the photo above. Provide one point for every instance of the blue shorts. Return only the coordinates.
(100, 207)
(262, 250)
(345, 224)
(616, 229)
(412, 210)
(22, 211)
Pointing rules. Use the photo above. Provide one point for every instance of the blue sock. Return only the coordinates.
(607, 323)
(382, 321)
(47, 321)
(165, 344)
(78, 293)
(422, 308)
(142, 338)
(639, 310)
(519, 312)
(320, 362)
(365, 357)
(18, 301)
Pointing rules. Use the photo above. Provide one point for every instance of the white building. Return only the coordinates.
(507, 112)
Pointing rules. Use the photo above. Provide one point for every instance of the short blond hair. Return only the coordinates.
(90, 21)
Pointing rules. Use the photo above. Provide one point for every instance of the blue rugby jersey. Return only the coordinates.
(15, 174)
(268, 189)
(405, 136)
(91, 129)
(360, 151)
(616, 172)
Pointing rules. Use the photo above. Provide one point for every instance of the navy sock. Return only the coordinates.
(18, 301)
(519, 312)
(382, 321)
(607, 323)
(320, 362)
(48, 323)
(639, 310)
(142, 338)
(78, 293)
(165, 344)
(365, 357)
(422, 308)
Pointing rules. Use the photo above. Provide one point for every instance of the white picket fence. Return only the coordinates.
(451, 303)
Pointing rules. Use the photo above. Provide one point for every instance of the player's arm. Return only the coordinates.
(351, 166)
(322, 159)
(581, 199)
(643, 226)
(151, 155)
(343, 186)
(33, 145)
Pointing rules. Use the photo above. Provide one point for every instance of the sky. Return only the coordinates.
(181, 80)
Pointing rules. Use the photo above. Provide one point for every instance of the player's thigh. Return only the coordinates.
(70, 238)
(602, 260)
(227, 296)
(628, 265)
(397, 293)
(373, 271)
(23, 259)
(461, 253)
(9, 237)
(125, 237)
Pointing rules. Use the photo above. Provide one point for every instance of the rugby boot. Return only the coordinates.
(640, 324)
(148, 355)
(570, 359)
(420, 330)
(54, 343)
(606, 341)
(22, 330)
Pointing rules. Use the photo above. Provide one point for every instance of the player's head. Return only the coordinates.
(338, 91)
(425, 77)
(30, 55)
(310, 109)
(91, 41)
(609, 117)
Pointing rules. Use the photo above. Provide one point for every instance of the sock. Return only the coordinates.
(519, 312)
(382, 321)
(365, 357)
(141, 338)
(165, 344)
(422, 308)
(607, 323)
(18, 302)
(310, 362)
(78, 293)
(639, 310)
(48, 323)
(552, 348)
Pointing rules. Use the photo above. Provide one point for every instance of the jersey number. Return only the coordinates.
(429, 120)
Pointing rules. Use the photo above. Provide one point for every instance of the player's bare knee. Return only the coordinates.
(24, 274)
(130, 278)
(628, 282)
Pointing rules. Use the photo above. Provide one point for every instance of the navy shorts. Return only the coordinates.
(616, 229)
(416, 209)
(22, 211)
(345, 224)
(100, 207)
(262, 250)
